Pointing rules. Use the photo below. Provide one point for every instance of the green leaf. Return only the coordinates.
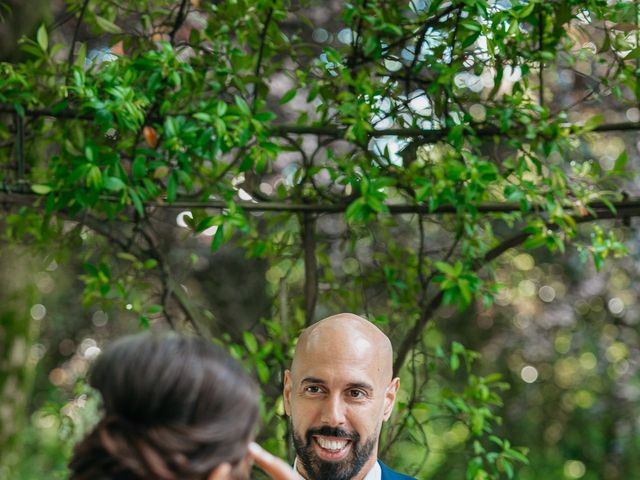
(172, 187)
(288, 96)
(127, 256)
(446, 268)
(621, 162)
(471, 25)
(633, 54)
(217, 238)
(250, 342)
(468, 41)
(43, 38)
(107, 25)
(139, 167)
(207, 222)
(519, 456)
(113, 183)
(150, 263)
(137, 203)
(457, 348)
(154, 309)
(242, 105)
(356, 210)
(527, 10)
(221, 109)
(205, 117)
(465, 291)
(94, 177)
(593, 122)
(454, 362)
(41, 189)
(19, 109)
(264, 116)
(263, 371)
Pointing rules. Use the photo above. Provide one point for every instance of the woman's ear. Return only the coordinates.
(221, 472)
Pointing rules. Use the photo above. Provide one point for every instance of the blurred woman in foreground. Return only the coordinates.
(175, 408)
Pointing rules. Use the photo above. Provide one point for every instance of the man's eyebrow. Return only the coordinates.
(315, 380)
(312, 380)
(363, 385)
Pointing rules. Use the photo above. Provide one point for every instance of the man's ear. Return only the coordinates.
(390, 397)
(286, 392)
(221, 472)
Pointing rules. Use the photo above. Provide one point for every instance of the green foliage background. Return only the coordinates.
(457, 171)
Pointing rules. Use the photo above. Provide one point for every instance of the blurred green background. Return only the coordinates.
(547, 359)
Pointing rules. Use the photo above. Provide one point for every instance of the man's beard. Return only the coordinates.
(318, 469)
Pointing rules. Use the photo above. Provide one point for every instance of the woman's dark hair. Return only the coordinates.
(175, 407)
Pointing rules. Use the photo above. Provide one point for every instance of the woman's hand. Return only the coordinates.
(275, 467)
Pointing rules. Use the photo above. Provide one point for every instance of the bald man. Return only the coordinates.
(337, 394)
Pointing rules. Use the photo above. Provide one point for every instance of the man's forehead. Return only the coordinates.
(337, 369)
(344, 342)
(337, 378)
(347, 343)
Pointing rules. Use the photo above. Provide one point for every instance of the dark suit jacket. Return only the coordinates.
(388, 474)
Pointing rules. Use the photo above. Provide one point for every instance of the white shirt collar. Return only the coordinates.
(374, 474)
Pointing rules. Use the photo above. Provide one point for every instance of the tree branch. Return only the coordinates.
(263, 41)
(310, 267)
(180, 18)
(76, 31)
(426, 135)
(624, 208)
(415, 334)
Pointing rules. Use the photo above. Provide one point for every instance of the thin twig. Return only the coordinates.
(165, 273)
(180, 18)
(263, 41)
(540, 49)
(429, 22)
(355, 47)
(310, 266)
(20, 160)
(76, 31)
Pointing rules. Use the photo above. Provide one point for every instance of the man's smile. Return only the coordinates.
(331, 448)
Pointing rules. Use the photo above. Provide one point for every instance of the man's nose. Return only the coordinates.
(334, 411)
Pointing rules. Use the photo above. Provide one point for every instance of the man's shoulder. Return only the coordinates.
(388, 474)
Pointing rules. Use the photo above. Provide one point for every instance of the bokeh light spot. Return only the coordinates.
(57, 376)
(320, 35)
(523, 262)
(574, 469)
(547, 293)
(616, 352)
(563, 343)
(584, 399)
(527, 288)
(100, 318)
(38, 311)
(529, 374)
(616, 305)
(588, 361)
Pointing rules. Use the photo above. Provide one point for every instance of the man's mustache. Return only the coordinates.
(332, 432)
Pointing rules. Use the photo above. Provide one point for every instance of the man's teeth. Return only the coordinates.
(334, 445)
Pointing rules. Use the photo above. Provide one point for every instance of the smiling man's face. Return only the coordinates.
(337, 394)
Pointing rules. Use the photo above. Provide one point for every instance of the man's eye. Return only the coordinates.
(357, 394)
(312, 389)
